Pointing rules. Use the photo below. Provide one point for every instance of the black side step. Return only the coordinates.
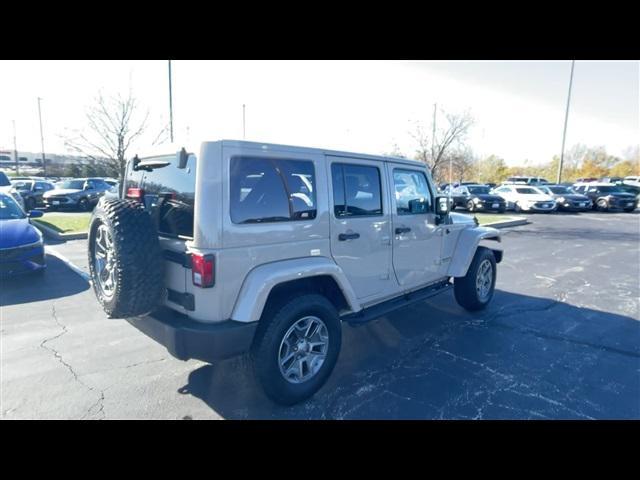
(384, 308)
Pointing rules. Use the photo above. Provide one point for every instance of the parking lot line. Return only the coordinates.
(51, 251)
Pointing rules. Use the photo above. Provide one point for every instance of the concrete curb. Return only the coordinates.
(509, 223)
(51, 233)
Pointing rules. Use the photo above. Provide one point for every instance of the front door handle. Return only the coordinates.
(348, 236)
(401, 230)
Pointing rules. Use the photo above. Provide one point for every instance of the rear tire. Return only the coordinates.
(272, 345)
(467, 290)
(125, 259)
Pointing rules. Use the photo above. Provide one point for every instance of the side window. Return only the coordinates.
(412, 192)
(39, 186)
(90, 184)
(272, 190)
(356, 190)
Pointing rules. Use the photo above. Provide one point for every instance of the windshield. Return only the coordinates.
(478, 190)
(610, 189)
(4, 181)
(9, 210)
(561, 190)
(71, 184)
(528, 191)
(545, 190)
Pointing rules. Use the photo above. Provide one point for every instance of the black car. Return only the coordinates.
(79, 194)
(476, 198)
(31, 192)
(566, 198)
(607, 197)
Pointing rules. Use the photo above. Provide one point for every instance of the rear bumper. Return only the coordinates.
(187, 339)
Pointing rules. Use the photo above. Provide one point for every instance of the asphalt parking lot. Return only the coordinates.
(561, 340)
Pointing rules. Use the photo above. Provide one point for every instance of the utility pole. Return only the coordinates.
(243, 122)
(44, 163)
(566, 117)
(15, 149)
(170, 106)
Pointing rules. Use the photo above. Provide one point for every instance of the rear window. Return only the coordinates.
(271, 190)
(169, 195)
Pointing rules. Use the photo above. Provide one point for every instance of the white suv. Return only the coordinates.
(523, 198)
(260, 248)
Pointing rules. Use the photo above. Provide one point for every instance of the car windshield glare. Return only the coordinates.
(9, 210)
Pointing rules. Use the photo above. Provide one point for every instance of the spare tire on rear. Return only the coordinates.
(125, 258)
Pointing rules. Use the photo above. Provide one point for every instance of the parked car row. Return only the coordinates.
(69, 194)
(528, 197)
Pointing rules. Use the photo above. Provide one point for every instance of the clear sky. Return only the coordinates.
(361, 106)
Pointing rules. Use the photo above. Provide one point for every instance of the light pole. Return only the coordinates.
(44, 163)
(566, 117)
(170, 106)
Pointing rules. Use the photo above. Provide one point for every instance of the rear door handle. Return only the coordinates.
(348, 236)
(401, 230)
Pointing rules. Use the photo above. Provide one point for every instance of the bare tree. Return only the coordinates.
(432, 151)
(463, 162)
(113, 125)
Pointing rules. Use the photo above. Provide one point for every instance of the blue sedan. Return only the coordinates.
(21, 246)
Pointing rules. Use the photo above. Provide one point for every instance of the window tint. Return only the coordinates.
(412, 192)
(479, 190)
(356, 190)
(169, 195)
(272, 190)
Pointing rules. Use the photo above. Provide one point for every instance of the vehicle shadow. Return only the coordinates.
(57, 281)
(523, 357)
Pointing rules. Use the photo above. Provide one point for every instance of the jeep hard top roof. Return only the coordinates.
(171, 149)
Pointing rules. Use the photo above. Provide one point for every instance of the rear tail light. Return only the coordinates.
(202, 270)
(135, 193)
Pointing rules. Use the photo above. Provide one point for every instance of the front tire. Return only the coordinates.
(475, 290)
(601, 205)
(296, 348)
(471, 206)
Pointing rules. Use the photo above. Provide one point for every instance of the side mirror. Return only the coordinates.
(443, 206)
(35, 214)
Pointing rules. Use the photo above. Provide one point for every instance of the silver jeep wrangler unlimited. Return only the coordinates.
(267, 249)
